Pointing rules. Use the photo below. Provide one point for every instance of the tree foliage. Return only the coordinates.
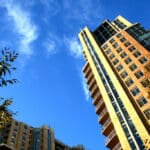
(6, 66)
(7, 59)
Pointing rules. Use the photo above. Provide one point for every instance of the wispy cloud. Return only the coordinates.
(85, 87)
(51, 44)
(84, 10)
(80, 12)
(23, 26)
(74, 47)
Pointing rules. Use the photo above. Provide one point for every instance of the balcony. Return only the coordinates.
(99, 106)
(85, 68)
(117, 147)
(107, 127)
(111, 139)
(103, 116)
(93, 81)
(96, 98)
(88, 72)
(94, 90)
(89, 77)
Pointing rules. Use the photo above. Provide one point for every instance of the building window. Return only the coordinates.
(14, 134)
(143, 60)
(25, 126)
(133, 67)
(111, 56)
(115, 45)
(105, 46)
(16, 123)
(128, 60)
(13, 140)
(119, 50)
(139, 74)
(123, 55)
(135, 91)
(145, 83)
(115, 61)
(124, 74)
(112, 40)
(24, 131)
(129, 82)
(118, 35)
(147, 113)
(132, 48)
(127, 44)
(147, 67)
(15, 128)
(123, 39)
(142, 101)
(23, 138)
(119, 67)
(137, 54)
(108, 51)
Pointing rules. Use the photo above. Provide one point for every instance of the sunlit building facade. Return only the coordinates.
(20, 136)
(117, 58)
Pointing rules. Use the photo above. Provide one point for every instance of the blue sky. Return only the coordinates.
(52, 89)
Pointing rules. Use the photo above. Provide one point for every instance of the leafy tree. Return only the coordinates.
(7, 58)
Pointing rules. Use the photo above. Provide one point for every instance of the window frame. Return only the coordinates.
(131, 67)
(142, 101)
(139, 74)
(135, 91)
(123, 54)
(128, 60)
(147, 113)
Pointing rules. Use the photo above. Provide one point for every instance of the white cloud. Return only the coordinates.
(74, 47)
(23, 26)
(51, 44)
(85, 87)
(51, 47)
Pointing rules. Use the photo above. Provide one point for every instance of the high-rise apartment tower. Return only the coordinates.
(117, 70)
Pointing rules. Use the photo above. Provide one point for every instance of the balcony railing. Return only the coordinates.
(117, 147)
(89, 77)
(105, 125)
(102, 114)
(93, 90)
(95, 98)
(91, 83)
(86, 67)
(87, 72)
(110, 137)
(99, 105)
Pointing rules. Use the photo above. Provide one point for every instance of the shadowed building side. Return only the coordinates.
(20, 136)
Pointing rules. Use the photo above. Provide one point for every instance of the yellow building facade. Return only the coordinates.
(117, 57)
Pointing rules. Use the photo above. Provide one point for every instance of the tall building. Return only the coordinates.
(117, 67)
(20, 136)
